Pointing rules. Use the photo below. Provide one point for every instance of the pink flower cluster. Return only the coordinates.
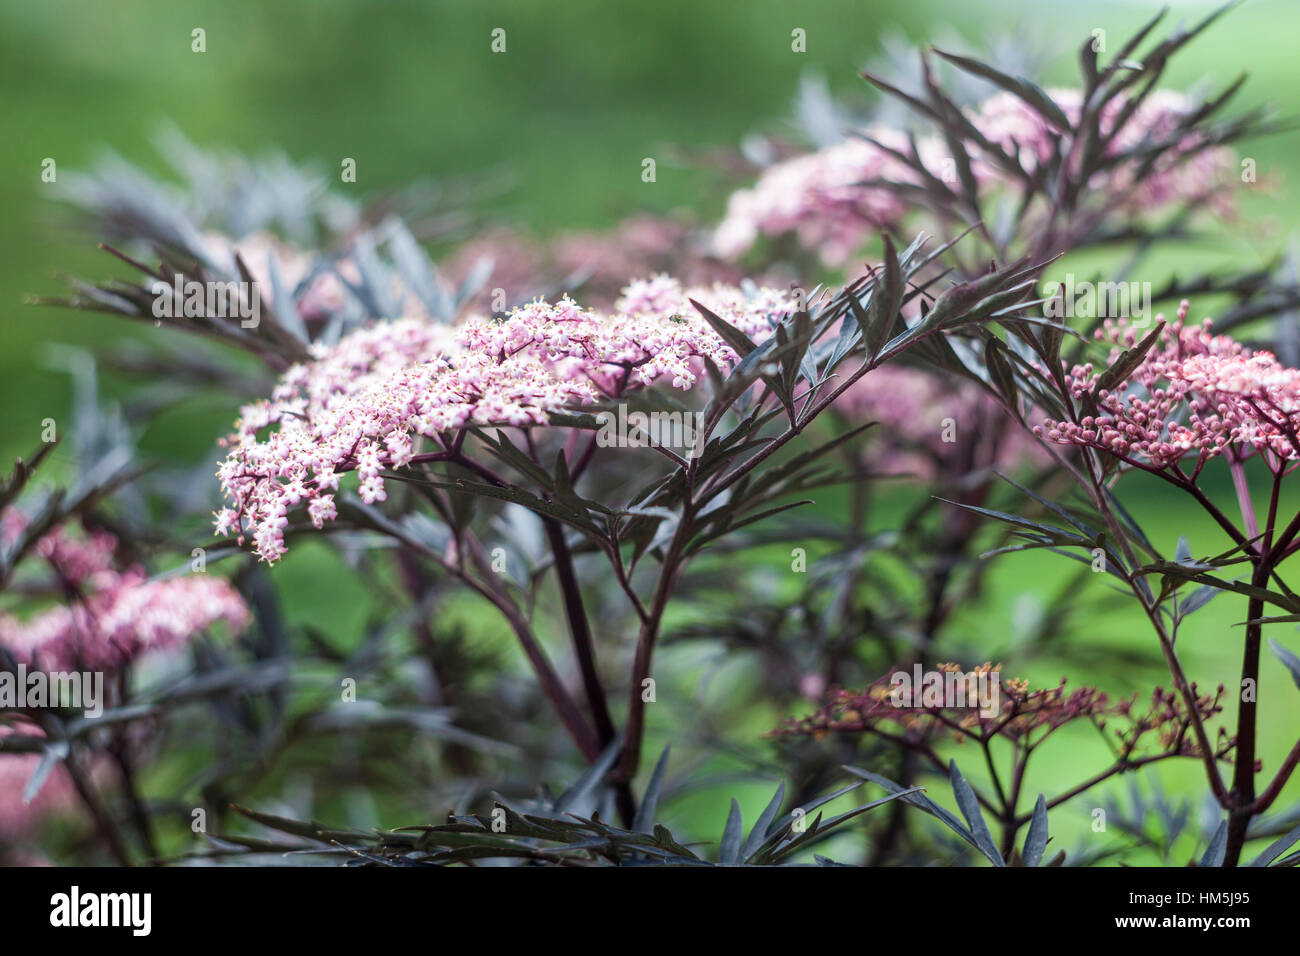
(79, 560)
(119, 615)
(1190, 170)
(924, 421)
(642, 245)
(1195, 393)
(825, 200)
(366, 403)
(113, 626)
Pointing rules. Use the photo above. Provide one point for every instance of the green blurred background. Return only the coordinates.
(586, 89)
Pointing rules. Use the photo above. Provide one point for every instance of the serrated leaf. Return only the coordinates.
(920, 801)
(1036, 838)
(729, 852)
(1277, 848)
(1215, 852)
(52, 755)
(645, 813)
(1127, 363)
(970, 809)
(1288, 659)
(1020, 87)
(590, 778)
(739, 342)
(758, 835)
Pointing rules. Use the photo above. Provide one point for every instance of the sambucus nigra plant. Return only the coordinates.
(509, 453)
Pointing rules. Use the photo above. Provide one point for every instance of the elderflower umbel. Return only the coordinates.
(365, 403)
(833, 199)
(1194, 394)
